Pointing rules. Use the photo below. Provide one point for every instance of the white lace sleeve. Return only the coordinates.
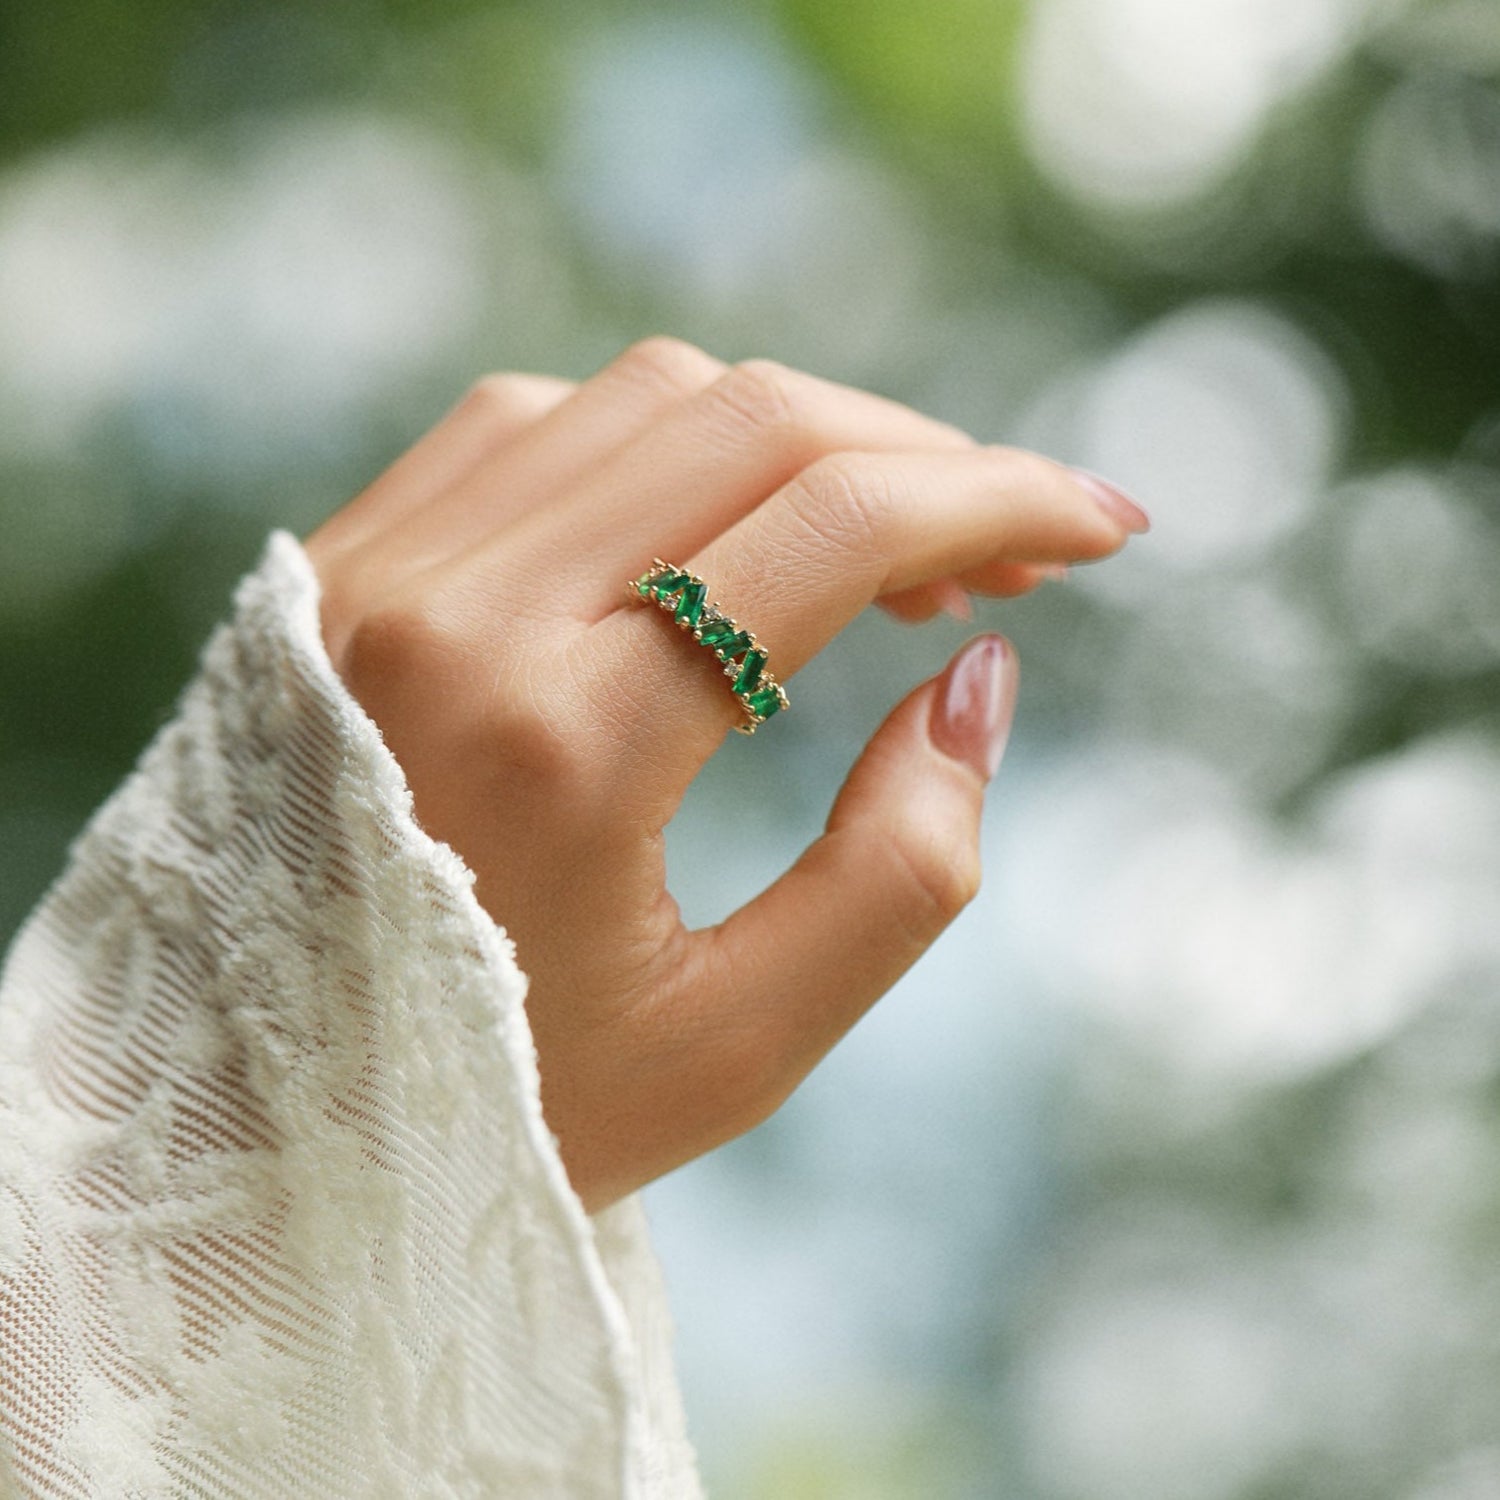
(279, 1215)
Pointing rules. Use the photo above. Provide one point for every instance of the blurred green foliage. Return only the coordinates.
(934, 74)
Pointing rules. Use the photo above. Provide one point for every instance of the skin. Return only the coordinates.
(474, 604)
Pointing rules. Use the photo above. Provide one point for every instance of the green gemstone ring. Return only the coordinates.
(684, 596)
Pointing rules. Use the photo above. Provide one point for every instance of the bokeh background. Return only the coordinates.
(1174, 1171)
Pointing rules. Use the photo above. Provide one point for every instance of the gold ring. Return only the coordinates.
(684, 596)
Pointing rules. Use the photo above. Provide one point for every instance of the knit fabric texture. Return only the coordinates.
(279, 1213)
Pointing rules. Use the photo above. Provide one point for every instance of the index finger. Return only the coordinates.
(797, 569)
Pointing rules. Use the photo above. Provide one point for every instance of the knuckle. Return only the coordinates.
(417, 665)
(539, 738)
(849, 496)
(766, 396)
(522, 741)
(398, 660)
(509, 396)
(936, 878)
(396, 639)
(497, 391)
(662, 360)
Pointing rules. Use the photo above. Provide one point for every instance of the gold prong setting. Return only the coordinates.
(741, 655)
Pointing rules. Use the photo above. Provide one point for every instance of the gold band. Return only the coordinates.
(684, 596)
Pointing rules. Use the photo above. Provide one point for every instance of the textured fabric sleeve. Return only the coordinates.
(279, 1214)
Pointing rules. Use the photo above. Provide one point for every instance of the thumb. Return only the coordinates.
(898, 861)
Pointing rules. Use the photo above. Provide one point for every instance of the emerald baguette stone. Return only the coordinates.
(724, 638)
(764, 702)
(739, 641)
(668, 583)
(690, 606)
(750, 671)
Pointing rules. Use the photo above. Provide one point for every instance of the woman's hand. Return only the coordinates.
(475, 604)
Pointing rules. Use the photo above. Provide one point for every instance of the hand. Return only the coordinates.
(475, 605)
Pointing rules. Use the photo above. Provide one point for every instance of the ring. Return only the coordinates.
(684, 596)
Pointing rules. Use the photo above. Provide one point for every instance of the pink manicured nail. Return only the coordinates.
(974, 703)
(1055, 571)
(1115, 503)
(954, 598)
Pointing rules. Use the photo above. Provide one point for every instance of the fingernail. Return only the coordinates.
(1115, 503)
(974, 703)
(1057, 571)
(954, 598)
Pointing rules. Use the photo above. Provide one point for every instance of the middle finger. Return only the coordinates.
(698, 470)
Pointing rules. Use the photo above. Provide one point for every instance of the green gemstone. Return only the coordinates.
(764, 702)
(643, 585)
(690, 606)
(723, 637)
(668, 583)
(749, 671)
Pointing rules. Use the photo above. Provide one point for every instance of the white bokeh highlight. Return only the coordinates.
(274, 291)
(1243, 953)
(1223, 419)
(1145, 103)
